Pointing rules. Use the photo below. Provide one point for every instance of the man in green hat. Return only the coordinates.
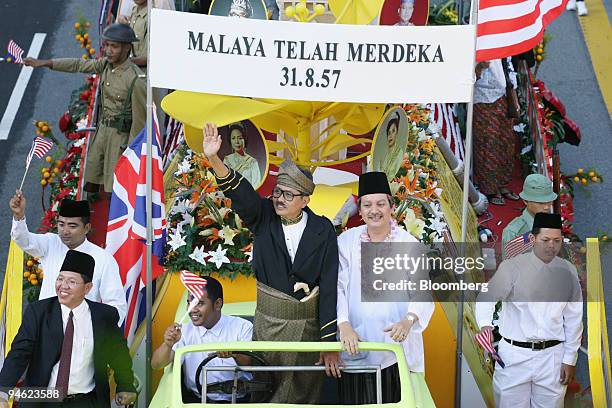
(123, 101)
(538, 196)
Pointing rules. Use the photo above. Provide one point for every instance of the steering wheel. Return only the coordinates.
(259, 389)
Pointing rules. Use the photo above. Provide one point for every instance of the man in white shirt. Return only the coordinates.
(540, 321)
(72, 229)
(387, 322)
(67, 344)
(207, 325)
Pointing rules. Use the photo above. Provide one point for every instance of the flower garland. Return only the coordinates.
(204, 233)
(416, 185)
(206, 236)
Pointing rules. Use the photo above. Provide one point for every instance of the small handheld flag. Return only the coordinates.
(195, 285)
(485, 339)
(15, 52)
(40, 147)
(517, 246)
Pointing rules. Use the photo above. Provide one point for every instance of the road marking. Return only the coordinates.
(598, 37)
(20, 86)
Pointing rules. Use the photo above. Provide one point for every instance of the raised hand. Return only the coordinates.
(18, 205)
(212, 140)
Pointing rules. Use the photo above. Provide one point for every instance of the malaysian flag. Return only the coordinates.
(126, 230)
(175, 135)
(510, 27)
(517, 246)
(15, 52)
(485, 339)
(40, 147)
(194, 284)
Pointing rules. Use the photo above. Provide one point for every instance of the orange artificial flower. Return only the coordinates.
(214, 236)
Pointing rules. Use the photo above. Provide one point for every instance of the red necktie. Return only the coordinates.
(63, 373)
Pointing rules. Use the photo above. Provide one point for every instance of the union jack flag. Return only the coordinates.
(485, 339)
(40, 147)
(194, 284)
(127, 222)
(15, 52)
(517, 246)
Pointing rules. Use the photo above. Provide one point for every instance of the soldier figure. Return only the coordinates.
(138, 21)
(538, 196)
(123, 99)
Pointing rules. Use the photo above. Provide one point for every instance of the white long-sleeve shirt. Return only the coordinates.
(107, 287)
(369, 319)
(81, 379)
(516, 283)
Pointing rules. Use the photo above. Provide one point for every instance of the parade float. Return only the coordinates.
(337, 141)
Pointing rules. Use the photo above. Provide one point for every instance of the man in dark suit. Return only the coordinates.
(295, 260)
(68, 343)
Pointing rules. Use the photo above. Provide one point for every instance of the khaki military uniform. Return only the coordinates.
(138, 22)
(518, 226)
(122, 114)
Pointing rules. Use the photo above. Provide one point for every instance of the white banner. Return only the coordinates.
(308, 61)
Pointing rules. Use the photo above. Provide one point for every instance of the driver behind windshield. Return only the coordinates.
(207, 325)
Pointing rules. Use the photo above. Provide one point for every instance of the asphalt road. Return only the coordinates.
(46, 96)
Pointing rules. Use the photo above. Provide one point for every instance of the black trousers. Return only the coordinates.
(357, 389)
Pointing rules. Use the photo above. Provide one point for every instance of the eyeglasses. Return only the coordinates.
(70, 282)
(288, 195)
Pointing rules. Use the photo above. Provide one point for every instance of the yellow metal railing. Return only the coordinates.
(598, 350)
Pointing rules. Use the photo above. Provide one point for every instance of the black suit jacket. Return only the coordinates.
(38, 344)
(316, 259)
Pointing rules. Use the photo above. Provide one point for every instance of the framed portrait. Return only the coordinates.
(244, 149)
(390, 142)
(404, 13)
(239, 9)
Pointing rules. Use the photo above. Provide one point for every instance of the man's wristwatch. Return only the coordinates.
(411, 317)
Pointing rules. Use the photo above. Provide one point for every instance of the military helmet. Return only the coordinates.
(122, 33)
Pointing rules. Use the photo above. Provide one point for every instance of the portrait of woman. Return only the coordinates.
(239, 9)
(244, 151)
(390, 143)
(404, 13)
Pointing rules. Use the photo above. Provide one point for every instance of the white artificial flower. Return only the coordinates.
(433, 127)
(422, 136)
(228, 234)
(78, 143)
(199, 255)
(82, 123)
(183, 167)
(176, 239)
(180, 207)
(218, 257)
(436, 210)
(438, 226)
(519, 128)
(414, 225)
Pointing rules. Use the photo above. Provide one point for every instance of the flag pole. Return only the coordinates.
(149, 205)
(467, 165)
(24, 175)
